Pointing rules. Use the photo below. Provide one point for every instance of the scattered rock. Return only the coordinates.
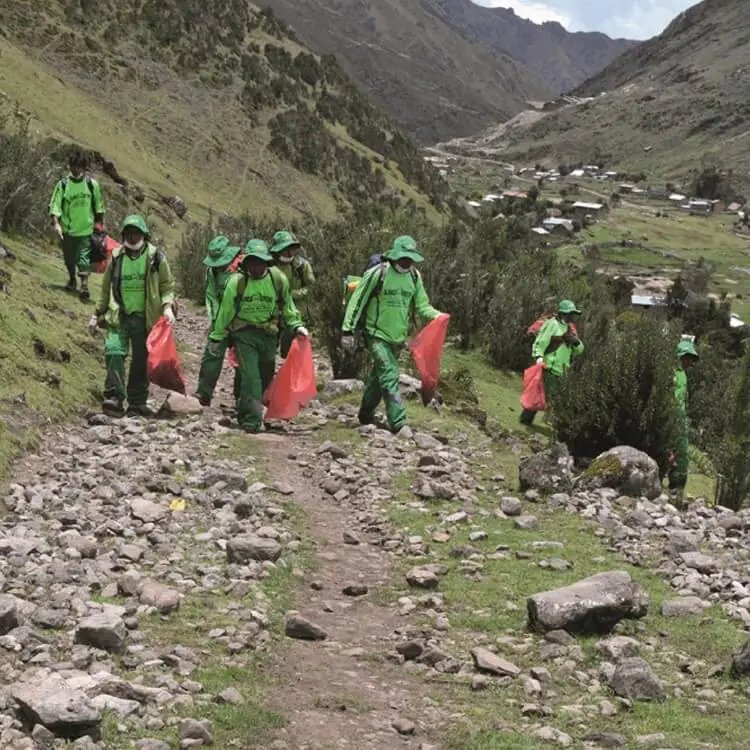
(243, 549)
(486, 661)
(404, 726)
(163, 598)
(527, 523)
(355, 589)
(606, 739)
(684, 605)
(511, 506)
(741, 661)
(192, 729)
(548, 471)
(146, 511)
(635, 680)
(179, 405)
(9, 618)
(105, 630)
(629, 471)
(426, 576)
(302, 629)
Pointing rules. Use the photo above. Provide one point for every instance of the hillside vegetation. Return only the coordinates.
(221, 106)
(660, 108)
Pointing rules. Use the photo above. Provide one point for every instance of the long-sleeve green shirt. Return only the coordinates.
(299, 274)
(681, 389)
(262, 302)
(216, 282)
(386, 314)
(556, 357)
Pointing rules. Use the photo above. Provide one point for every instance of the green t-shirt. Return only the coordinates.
(75, 206)
(681, 389)
(133, 283)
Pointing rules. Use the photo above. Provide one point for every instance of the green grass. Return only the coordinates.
(38, 390)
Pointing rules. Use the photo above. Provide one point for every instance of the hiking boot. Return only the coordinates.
(366, 418)
(112, 407)
(71, 286)
(140, 410)
(203, 400)
(84, 293)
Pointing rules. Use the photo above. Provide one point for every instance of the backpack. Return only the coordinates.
(277, 279)
(536, 326)
(98, 252)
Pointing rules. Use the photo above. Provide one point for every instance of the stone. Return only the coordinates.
(119, 706)
(149, 744)
(489, 662)
(355, 589)
(606, 739)
(86, 546)
(232, 696)
(243, 549)
(527, 523)
(105, 630)
(303, 629)
(404, 726)
(49, 700)
(627, 470)
(410, 650)
(9, 616)
(617, 648)
(700, 562)
(682, 606)
(591, 606)
(511, 506)
(548, 471)
(192, 729)
(635, 680)
(342, 387)
(163, 598)
(554, 736)
(177, 405)
(741, 661)
(350, 538)
(146, 511)
(425, 576)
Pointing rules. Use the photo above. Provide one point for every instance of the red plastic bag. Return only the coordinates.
(163, 367)
(533, 397)
(294, 385)
(427, 351)
(109, 247)
(232, 358)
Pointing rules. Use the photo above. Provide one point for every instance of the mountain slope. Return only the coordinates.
(445, 68)
(220, 105)
(660, 108)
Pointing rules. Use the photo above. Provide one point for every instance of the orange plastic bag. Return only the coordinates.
(232, 358)
(533, 397)
(163, 367)
(427, 351)
(294, 385)
(110, 245)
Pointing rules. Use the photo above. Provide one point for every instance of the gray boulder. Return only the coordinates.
(49, 700)
(105, 630)
(627, 470)
(635, 680)
(548, 471)
(242, 549)
(9, 618)
(489, 662)
(591, 606)
(741, 661)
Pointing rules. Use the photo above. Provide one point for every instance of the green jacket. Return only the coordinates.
(77, 203)
(387, 313)
(299, 274)
(681, 389)
(159, 288)
(549, 345)
(262, 303)
(216, 283)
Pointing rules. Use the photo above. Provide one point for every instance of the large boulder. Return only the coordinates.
(635, 680)
(548, 471)
(591, 606)
(629, 471)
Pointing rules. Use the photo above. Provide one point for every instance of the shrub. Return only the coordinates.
(621, 392)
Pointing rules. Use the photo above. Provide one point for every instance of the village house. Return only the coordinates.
(582, 209)
(558, 227)
(646, 301)
(734, 208)
(658, 193)
(697, 207)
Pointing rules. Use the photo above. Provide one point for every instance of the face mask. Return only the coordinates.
(134, 248)
(286, 260)
(402, 269)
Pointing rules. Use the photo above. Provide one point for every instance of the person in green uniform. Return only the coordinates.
(137, 289)
(77, 209)
(299, 273)
(382, 304)
(678, 473)
(221, 262)
(554, 346)
(256, 302)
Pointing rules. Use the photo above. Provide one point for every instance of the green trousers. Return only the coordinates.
(131, 334)
(214, 352)
(77, 254)
(383, 383)
(256, 354)
(678, 473)
(551, 384)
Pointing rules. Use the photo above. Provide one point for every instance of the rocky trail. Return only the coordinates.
(173, 583)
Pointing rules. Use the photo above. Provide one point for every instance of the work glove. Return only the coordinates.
(169, 314)
(93, 323)
(348, 344)
(540, 360)
(59, 232)
(302, 331)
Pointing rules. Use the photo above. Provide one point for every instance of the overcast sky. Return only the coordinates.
(632, 19)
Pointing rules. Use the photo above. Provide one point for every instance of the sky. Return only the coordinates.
(631, 19)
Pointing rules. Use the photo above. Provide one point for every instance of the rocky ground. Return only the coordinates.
(173, 583)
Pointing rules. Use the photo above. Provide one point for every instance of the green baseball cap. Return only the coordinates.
(220, 253)
(282, 241)
(135, 221)
(566, 307)
(686, 348)
(404, 247)
(258, 249)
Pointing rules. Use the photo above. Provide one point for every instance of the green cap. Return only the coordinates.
(258, 249)
(220, 253)
(567, 306)
(136, 222)
(686, 348)
(282, 241)
(404, 247)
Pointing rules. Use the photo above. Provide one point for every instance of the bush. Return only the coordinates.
(621, 392)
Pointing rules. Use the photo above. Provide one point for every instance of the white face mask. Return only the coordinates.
(134, 248)
(286, 260)
(402, 269)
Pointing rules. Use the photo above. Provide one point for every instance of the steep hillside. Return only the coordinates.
(562, 59)
(660, 108)
(221, 106)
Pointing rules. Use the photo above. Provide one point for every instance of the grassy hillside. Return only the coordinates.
(660, 108)
(224, 108)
